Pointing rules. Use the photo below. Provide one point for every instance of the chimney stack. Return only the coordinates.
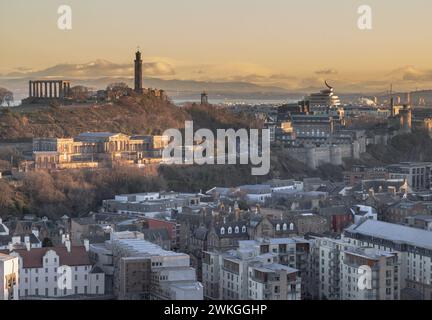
(68, 245)
(87, 245)
(27, 243)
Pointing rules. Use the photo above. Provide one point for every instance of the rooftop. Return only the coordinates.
(394, 232)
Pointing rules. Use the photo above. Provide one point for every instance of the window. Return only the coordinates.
(97, 289)
(46, 292)
(46, 270)
(244, 229)
(278, 227)
(237, 229)
(222, 231)
(284, 227)
(229, 230)
(291, 226)
(76, 277)
(36, 292)
(55, 291)
(76, 290)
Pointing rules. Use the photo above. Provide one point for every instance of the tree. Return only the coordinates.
(117, 90)
(6, 97)
(80, 93)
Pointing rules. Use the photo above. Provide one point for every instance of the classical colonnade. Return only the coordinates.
(49, 89)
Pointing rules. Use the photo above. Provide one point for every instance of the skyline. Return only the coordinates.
(260, 43)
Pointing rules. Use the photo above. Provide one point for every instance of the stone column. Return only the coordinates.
(61, 92)
(45, 89)
(55, 89)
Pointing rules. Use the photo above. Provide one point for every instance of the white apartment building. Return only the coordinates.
(57, 272)
(325, 266)
(383, 282)
(413, 247)
(338, 266)
(257, 269)
(273, 282)
(143, 270)
(9, 277)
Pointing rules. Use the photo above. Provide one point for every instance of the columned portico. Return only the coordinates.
(49, 89)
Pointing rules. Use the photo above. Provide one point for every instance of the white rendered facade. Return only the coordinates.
(9, 277)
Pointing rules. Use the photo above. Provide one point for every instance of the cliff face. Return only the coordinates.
(129, 115)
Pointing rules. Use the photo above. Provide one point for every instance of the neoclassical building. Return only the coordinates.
(94, 149)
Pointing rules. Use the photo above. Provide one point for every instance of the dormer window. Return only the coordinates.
(229, 230)
(243, 229)
(278, 227)
(222, 231)
(284, 226)
(237, 229)
(291, 226)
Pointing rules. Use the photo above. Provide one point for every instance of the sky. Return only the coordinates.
(294, 44)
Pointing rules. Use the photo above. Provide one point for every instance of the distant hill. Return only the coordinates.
(174, 88)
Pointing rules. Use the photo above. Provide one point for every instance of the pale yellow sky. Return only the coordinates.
(290, 43)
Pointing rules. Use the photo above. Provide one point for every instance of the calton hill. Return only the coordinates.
(76, 192)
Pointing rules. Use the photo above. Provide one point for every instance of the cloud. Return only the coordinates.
(411, 73)
(96, 69)
(326, 72)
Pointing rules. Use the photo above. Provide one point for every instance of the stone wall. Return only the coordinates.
(316, 156)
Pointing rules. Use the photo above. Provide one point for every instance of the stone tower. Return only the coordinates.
(204, 98)
(138, 73)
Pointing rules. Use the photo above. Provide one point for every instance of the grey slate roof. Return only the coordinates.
(394, 232)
